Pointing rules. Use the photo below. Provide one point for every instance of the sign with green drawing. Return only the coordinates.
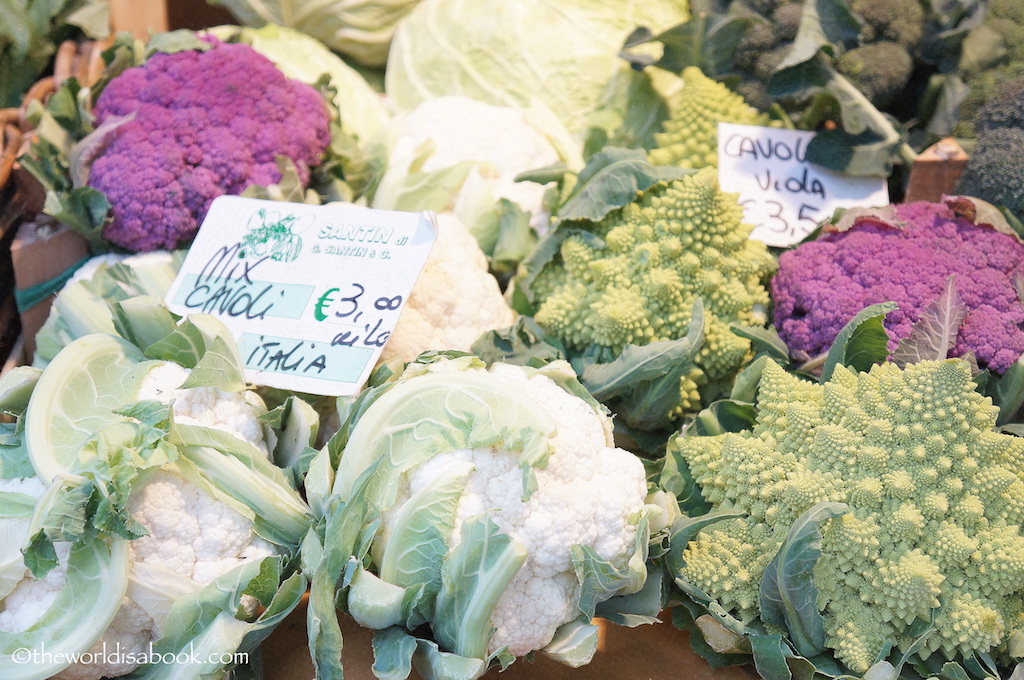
(311, 292)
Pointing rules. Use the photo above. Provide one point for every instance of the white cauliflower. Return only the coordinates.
(190, 534)
(455, 299)
(495, 142)
(590, 493)
(206, 406)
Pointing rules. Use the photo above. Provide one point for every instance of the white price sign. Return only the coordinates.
(783, 195)
(310, 292)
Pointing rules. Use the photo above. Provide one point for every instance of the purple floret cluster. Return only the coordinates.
(205, 124)
(821, 285)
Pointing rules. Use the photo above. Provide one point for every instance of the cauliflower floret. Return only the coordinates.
(589, 493)
(455, 299)
(190, 531)
(128, 636)
(207, 406)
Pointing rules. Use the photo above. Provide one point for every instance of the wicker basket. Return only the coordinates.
(35, 249)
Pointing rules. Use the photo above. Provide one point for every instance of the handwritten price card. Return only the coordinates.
(784, 195)
(310, 292)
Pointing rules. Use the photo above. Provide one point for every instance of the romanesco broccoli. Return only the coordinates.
(690, 135)
(935, 505)
(637, 281)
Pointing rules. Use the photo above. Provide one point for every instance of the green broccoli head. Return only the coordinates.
(636, 283)
(690, 135)
(1006, 17)
(880, 70)
(899, 21)
(995, 170)
(935, 506)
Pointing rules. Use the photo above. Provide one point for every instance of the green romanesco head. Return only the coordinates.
(636, 283)
(689, 138)
(936, 507)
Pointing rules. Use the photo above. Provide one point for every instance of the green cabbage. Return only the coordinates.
(361, 29)
(564, 53)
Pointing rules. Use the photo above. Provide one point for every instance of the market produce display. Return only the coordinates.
(603, 403)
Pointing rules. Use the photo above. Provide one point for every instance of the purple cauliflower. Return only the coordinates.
(821, 285)
(205, 124)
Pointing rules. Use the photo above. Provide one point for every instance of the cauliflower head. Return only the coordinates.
(636, 282)
(191, 126)
(191, 535)
(192, 538)
(455, 299)
(511, 450)
(821, 285)
(935, 501)
(472, 151)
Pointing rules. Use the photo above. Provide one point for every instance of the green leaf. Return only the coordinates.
(868, 139)
(645, 378)
(612, 178)
(724, 415)
(473, 578)
(770, 657)
(707, 41)
(95, 584)
(418, 541)
(169, 42)
(524, 343)
(1007, 391)
(574, 644)
(84, 210)
(515, 237)
(16, 386)
(934, 333)
(640, 608)
(823, 24)
(433, 664)
(764, 340)
(393, 649)
(788, 596)
(862, 343)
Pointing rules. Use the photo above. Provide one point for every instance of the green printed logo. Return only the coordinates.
(273, 236)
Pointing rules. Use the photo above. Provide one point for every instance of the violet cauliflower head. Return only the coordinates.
(821, 285)
(203, 124)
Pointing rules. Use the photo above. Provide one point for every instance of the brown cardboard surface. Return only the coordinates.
(653, 652)
(936, 171)
(40, 254)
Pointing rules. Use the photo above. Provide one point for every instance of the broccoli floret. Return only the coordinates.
(637, 282)
(1004, 109)
(995, 170)
(786, 20)
(690, 136)
(1006, 19)
(822, 284)
(203, 124)
(880, 70)
(899, 21)
(934, 496)
(760, 37)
